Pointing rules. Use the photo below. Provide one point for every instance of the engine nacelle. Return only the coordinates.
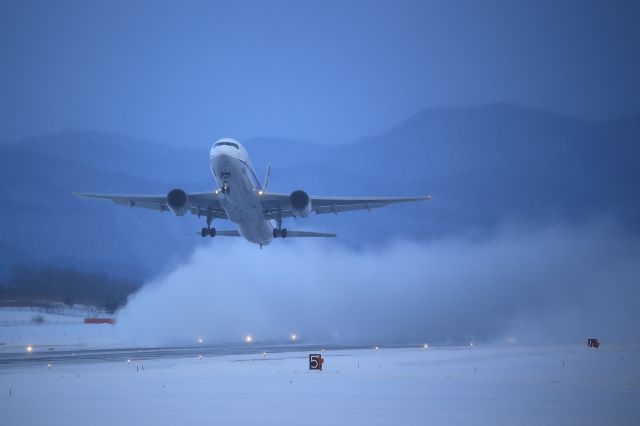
(178, 201)
(300, 203)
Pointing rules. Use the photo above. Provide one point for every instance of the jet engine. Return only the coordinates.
(300, 203)
(178, 201)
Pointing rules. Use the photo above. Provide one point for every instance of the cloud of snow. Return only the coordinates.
(559, 284)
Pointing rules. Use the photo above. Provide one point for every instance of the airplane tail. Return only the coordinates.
(266, 178)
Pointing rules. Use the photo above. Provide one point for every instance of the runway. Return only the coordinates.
(42, 355)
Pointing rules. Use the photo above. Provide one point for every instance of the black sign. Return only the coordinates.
(315, 361)
(593, 343)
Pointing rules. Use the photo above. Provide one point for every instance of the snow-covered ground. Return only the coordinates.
(409, 386)
(62, 330)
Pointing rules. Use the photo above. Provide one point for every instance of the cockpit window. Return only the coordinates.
(235, 145)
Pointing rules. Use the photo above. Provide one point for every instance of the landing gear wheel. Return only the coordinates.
(225, 188)
(280, 233)
(211, 232)
(208, 231)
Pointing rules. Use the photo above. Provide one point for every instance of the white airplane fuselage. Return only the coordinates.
(240, 190)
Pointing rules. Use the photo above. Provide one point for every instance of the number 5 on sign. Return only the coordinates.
(315, 361)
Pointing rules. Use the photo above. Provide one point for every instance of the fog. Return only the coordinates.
(560, 283)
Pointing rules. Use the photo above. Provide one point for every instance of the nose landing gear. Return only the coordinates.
(225, 188)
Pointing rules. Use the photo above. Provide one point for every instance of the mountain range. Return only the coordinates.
(485, 166)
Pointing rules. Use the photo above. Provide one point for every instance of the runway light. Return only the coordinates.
(199, 339)
(426, 346)
(49, 365)
(294, 337)
(264, 354)
(377, 348)
(128, 361)
(29, 348)
(248, 338)
(199, 356)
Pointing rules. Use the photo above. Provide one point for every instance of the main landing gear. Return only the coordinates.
(208, 231)
(279, 232)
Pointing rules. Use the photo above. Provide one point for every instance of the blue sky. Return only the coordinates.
(323, 71)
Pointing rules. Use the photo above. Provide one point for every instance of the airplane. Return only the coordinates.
(241, 199)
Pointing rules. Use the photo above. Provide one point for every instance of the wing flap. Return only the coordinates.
(277, 205)
(154, 202)
(345, 208)
(200, 203)
(215, 213)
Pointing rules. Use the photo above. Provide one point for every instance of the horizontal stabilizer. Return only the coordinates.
(227, 233)
(308, 234)
(223, 233)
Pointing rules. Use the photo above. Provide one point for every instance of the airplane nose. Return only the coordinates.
(220, 161)
(217, 153)
(222, 151)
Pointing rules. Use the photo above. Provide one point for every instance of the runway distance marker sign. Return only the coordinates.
(315, 362)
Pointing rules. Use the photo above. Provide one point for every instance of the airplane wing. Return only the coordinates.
(274, 205)
(277, 205)
(200, 203)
